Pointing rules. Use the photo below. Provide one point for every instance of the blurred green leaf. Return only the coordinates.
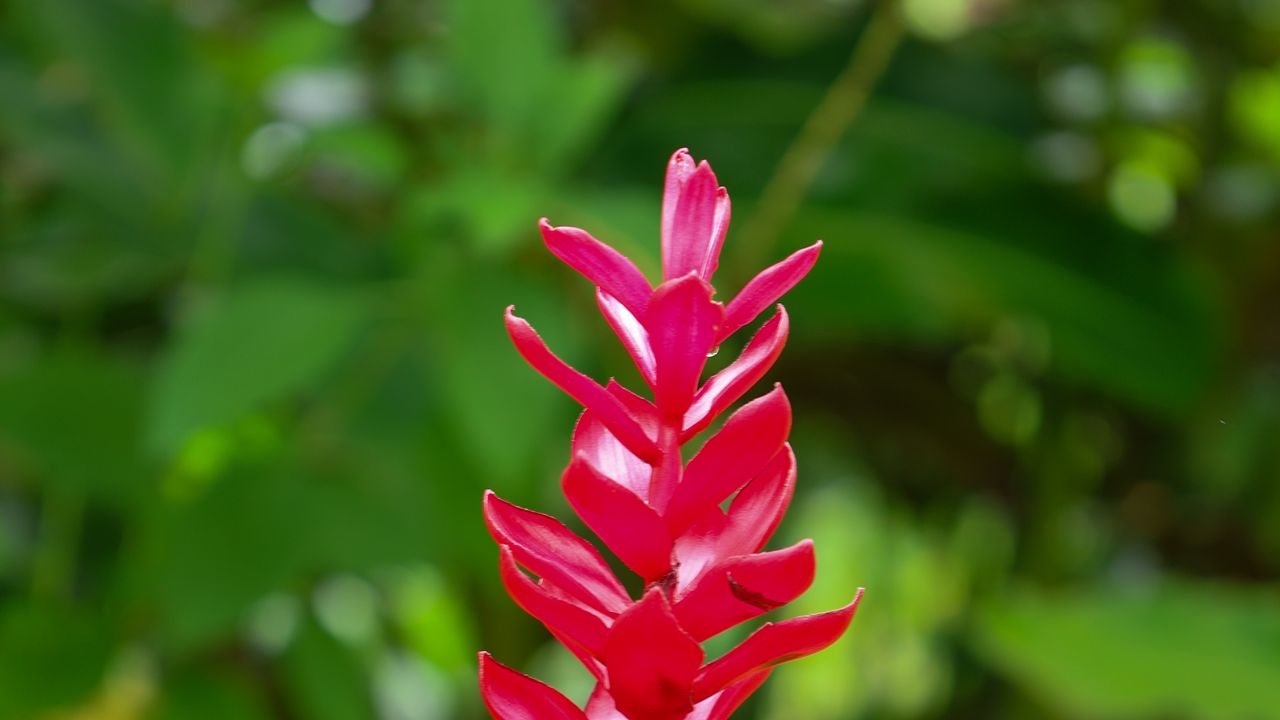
(503, 413)
(258, 343)
(369, 156)
(907, 280)
(49, 658)
(505, 53)
(1180, 649)
(434, 621)
(578, 104)
(205, 695)
(157, 101)
(492, 206)
(325, 680)
(76, 417)
(1255, 108)
(265, 527)
(891, 660)
(289, 36)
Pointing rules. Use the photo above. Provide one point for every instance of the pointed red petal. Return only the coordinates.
(721, 705)
(682, 321)
(773, 644)
(758, 508)
(719, 228)
(753, 517)
(632, 334)
(604, 266)
(510, 695)
(642, 410)
(744, 587)
(679, 169)
(581, 388)
(592, 440)
(695, 215)
(651, 661)
(765, 289)
(744, 446)
(631, 529)
(698, 548)
(725, 387)
(581, 626)
(550, 550)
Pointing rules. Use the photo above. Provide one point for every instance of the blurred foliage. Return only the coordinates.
(253, 255)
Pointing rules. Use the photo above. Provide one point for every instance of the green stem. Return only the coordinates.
(837, 110)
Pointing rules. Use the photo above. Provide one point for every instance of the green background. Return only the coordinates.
(254, 380)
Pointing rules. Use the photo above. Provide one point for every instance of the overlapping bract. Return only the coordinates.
(702, 565)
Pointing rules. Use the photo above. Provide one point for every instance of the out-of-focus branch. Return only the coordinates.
(838, 110)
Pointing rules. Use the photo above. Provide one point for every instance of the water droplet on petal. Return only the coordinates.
(713, 351)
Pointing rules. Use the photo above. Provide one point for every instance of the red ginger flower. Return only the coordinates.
(703, 568)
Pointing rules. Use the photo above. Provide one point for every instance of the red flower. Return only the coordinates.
(703, 568)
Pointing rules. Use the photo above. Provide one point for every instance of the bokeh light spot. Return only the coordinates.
(1141, 197)
(341, 12)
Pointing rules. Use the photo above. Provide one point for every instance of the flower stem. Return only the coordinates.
(833, 115)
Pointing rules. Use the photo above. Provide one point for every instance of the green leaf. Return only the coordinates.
(324, 679)
(159, 104)
(75, 419)
(433, 619)
(368, 155)
(1181, 649)
(583, 97)
(505, 53)
(49, 658)
(210, 695)
(258, 343)
(503, 413)
(1153, 342)
(264, 528)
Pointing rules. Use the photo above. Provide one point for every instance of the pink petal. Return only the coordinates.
(589, 661)
(607, 407)
(592, 440)
(726, 386)
(601, 707)
(721, 705)
(698, 548)
(605, 267)
(719, 228)
(682, 321)
(773, 644)
(679, 169)
(632, 334)
(744, 587)
(753, 517)
(573, 622)
(695, 216)
(551, 551)
(651, 661)
(744, 446)
(631, 529)
(642, 410)
(765, 289)
(510, 695)
(758, 508)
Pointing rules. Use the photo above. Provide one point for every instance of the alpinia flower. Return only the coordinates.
(702, 565)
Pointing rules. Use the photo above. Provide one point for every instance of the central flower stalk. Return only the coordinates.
(703, 565)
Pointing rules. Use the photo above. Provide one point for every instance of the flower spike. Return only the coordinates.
(702, 564)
